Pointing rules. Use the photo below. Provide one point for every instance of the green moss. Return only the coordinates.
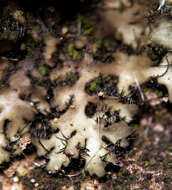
(108, 78)
(149, 42)
(71, 49)
(69, 79)
(135, 128)
(76, 56)
(43, 70)
(64, 83)
(108, 55)
(87, 25)
(72, 77)
(74, 53)
(88, 31)
(94, 84)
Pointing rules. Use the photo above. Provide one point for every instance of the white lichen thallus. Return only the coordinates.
(100, 118)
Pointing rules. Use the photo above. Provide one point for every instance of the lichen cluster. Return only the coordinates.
(46, 101)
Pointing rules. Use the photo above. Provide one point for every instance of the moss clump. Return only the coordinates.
(64, 84)
(94, 84)
(135, 128)
(87, 25)
(43, 70)
(108, 78)
(72, 77)
(74, 53)
(69, 79)
(104, 48)
(149, 42)
(108, 55)
(106, 84)
(71, 49)
(76, 56)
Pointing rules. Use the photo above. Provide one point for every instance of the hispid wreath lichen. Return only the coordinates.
(53, 115)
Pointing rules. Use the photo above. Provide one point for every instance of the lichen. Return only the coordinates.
(80, 107)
